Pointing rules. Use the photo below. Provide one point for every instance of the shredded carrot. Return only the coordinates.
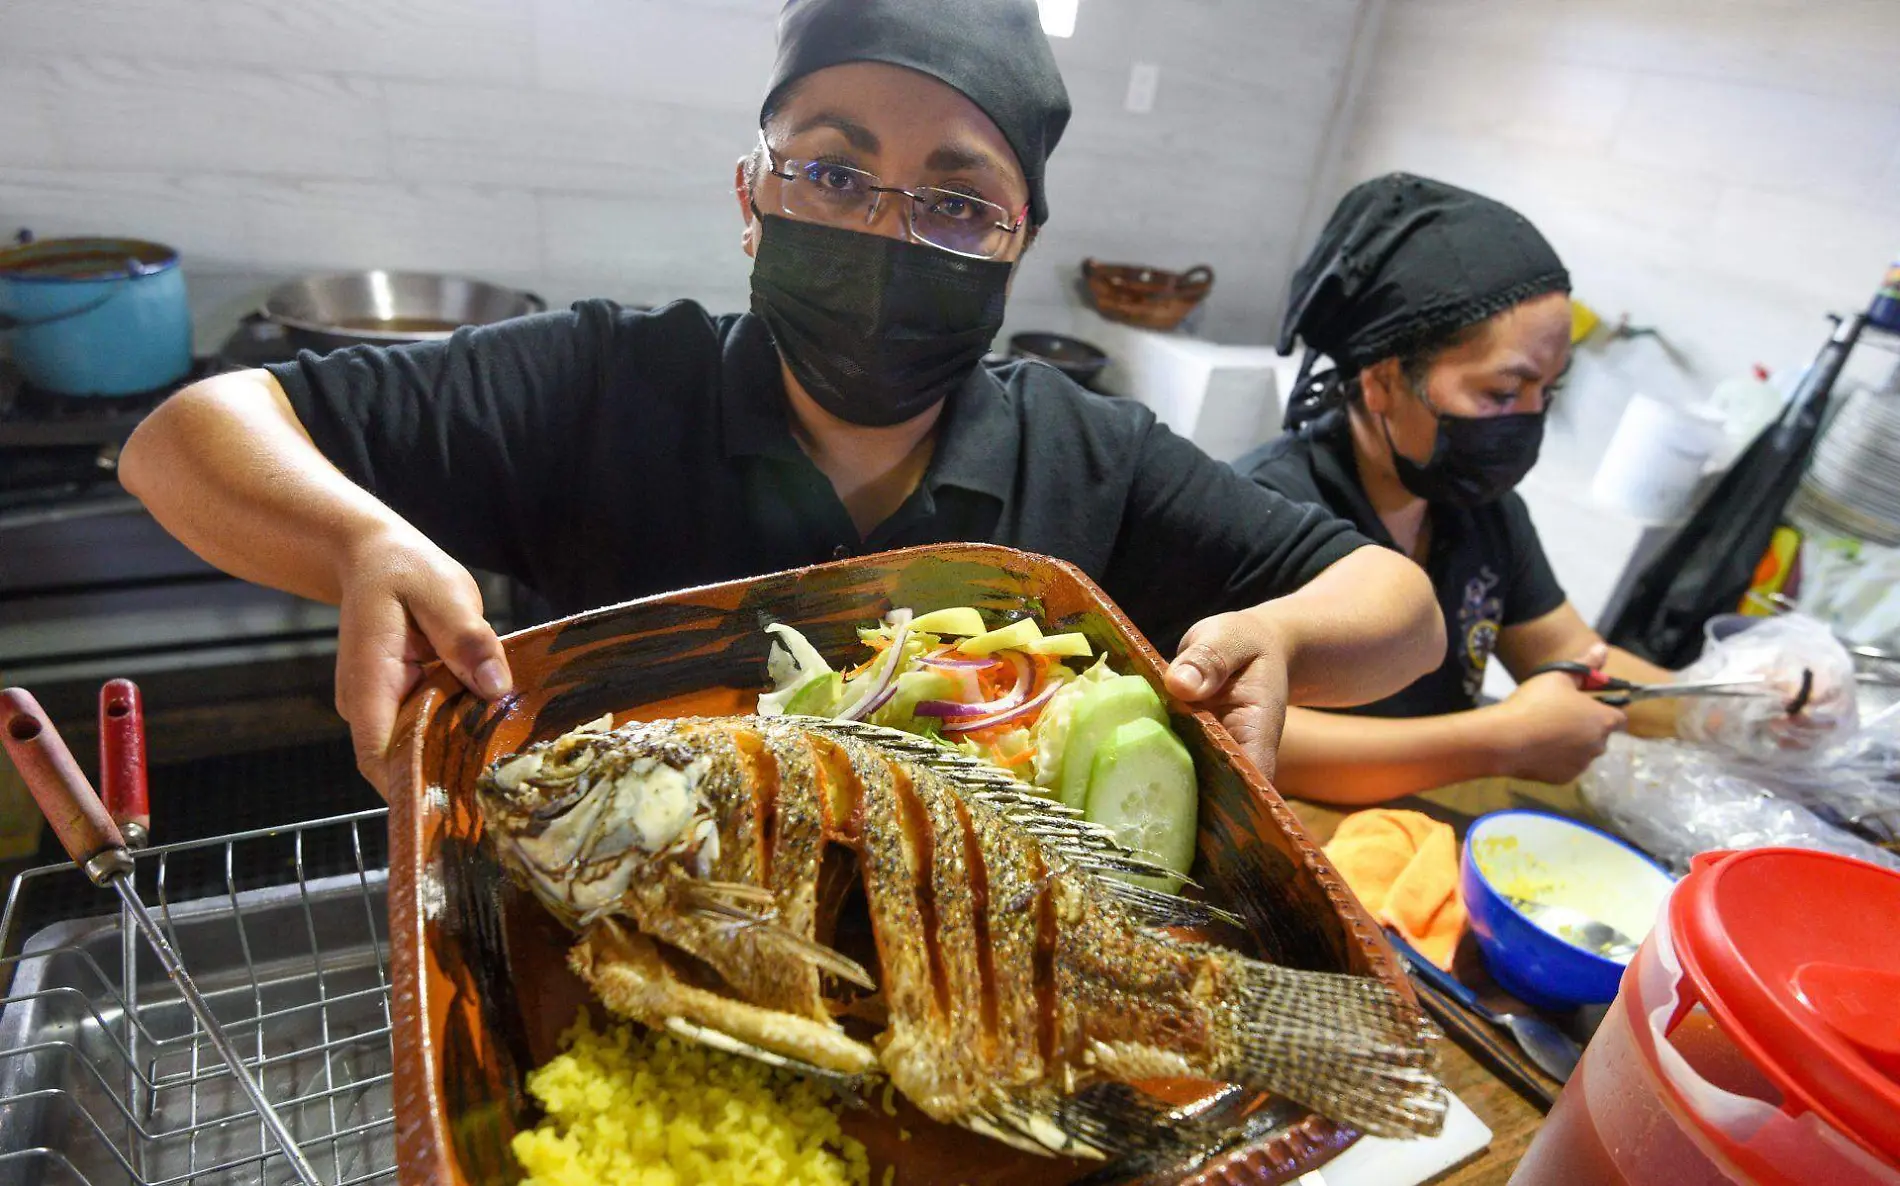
(987, 681)
(880, 645)
(1028, 752)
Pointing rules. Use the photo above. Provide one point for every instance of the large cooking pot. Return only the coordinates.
(95, 316)
(324, 313)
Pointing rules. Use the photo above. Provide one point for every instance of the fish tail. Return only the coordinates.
(1348, 1047)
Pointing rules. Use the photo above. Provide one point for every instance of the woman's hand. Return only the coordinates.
(1548, 731)
(406, 602)
(1235, 666)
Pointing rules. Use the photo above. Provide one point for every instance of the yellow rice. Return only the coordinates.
(631, 1108)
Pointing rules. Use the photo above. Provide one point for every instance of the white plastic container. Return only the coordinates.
(1747, 404)
(1653, 463)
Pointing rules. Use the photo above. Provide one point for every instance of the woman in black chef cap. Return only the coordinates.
(600, 453)
(1445, 317)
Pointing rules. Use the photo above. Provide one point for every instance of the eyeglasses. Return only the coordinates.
(841, 196)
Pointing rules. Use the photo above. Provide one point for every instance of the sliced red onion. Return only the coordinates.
(882, 699)
(1018, 692)
(893, 660)
(945, 658)
(1003, 718)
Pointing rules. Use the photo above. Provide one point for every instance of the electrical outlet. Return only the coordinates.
(1143, 81)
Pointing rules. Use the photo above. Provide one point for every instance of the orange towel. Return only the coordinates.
(1404, 867)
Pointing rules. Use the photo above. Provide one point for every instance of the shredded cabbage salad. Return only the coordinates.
(1004, 695)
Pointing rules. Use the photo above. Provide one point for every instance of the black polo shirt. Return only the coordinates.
(601, 454)
(1486, 564)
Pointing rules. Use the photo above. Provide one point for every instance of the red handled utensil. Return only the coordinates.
(93, 840)
(122, 781)
(1622, 691)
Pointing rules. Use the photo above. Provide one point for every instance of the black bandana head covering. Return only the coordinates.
(993, 51)
(1404, 258)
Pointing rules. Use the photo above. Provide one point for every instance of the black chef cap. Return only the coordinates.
(994, 51)
(1405, 258)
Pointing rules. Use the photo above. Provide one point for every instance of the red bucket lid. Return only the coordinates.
(1796, 955)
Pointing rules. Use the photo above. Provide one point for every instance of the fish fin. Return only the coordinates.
(1152, 908)
(1125, 1121)
(730, 904)
(1349, 1047)
(996, 1131)
(1059, 828)
(849, 1087)
(734, 892)
(628, 973)
(1045, 1128)
(1176, 1147)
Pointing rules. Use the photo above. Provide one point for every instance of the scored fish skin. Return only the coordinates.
(1011, 977)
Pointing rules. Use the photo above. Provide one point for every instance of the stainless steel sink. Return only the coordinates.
(105, 1077)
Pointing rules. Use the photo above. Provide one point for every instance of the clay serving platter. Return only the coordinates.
(482, 992)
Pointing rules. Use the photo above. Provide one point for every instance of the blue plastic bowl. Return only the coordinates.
(1547, 858)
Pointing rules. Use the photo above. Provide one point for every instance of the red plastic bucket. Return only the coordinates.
(1756, 1037)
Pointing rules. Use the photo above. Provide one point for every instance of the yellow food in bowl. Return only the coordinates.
(1515, 874)
(627, 1107)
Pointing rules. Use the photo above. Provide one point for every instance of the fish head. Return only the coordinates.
(597, 813)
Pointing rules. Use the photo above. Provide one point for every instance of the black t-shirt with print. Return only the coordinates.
(1486, 564)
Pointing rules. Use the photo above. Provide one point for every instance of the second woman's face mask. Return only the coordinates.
(1475, 459)
(875, 329)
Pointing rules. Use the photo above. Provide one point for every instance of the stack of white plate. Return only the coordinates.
(1852, 486)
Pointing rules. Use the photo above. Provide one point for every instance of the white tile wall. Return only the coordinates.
(193, 120)
(585, 147)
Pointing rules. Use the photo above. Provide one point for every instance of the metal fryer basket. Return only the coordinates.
(105, 1077)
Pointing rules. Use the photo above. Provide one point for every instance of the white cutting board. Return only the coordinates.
(1380, 1161)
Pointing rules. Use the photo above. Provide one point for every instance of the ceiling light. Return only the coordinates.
(1058, 16)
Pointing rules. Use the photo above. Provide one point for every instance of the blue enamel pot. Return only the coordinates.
(95, 316)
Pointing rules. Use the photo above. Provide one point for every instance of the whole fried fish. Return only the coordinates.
(707, 864)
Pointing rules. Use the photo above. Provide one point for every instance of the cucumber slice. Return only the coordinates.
(1066, 645)
(1012, 637)
(959, 620)
(1102, 710)
(1142, 788)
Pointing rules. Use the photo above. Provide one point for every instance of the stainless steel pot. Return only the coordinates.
(380, 308)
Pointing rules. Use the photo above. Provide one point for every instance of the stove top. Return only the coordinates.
(57, 448)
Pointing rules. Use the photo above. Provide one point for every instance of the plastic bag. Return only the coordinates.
(1675, 800)
(1759, 729)
(1855, 785)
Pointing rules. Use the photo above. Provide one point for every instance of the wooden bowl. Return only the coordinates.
(1148, 297)
(481, 990)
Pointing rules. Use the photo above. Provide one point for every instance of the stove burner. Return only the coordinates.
(31, 417)
(56, 448)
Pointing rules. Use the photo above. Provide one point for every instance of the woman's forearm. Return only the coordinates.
(1363, 629)
(225, 467)
(1354, 760)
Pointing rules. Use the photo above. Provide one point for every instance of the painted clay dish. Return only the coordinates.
(482, 992)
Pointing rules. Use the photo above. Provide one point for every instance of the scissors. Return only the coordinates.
(1619, 692)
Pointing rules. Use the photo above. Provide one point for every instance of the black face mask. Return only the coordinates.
(1475, 460)
(876, 329)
